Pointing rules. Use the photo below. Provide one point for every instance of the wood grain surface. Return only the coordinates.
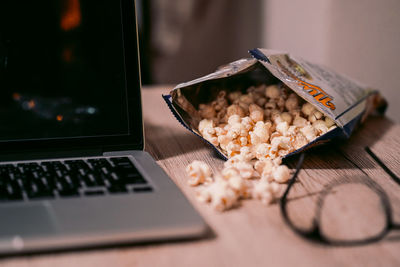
(254, 234)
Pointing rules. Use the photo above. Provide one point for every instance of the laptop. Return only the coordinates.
(73, 172)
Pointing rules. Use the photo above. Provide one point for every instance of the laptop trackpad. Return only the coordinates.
(25, 221)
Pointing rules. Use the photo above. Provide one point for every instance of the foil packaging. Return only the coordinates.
(340, 98)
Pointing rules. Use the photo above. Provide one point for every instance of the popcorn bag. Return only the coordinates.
(274, 104)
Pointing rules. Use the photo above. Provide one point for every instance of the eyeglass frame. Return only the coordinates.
(314, 233)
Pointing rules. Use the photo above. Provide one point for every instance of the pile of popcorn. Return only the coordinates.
(254, 130)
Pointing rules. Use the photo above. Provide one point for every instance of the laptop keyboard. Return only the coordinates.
(70, 178)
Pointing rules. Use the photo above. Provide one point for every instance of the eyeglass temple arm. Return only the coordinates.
(394, 177)
(314, 232)
(294, 176)
(383, 166)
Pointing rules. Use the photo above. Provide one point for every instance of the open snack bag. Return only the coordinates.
(262, 109)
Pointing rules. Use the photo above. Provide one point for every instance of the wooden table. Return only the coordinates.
(253, 234)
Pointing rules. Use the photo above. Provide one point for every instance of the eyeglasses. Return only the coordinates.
(373, 218)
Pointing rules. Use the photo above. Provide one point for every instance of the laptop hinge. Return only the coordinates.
(49, 154)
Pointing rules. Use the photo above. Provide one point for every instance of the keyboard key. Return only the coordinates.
(10, 189)
(133, 179)
(100, 179)
(142, 189)
(94, 193)
(43, 194)
(8, 168)
(77, 164)
(29, 166)
(116, 189)
(35, 188)
(71, 192)
(89, 180)
(99, 163)
(49, 181)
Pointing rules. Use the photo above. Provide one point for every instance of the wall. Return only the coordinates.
(214, 34)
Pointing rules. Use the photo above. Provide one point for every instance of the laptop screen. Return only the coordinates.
(62, 70)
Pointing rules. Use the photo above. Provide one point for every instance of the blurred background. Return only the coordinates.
(182, 40)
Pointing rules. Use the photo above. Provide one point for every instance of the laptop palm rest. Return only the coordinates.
(25, 221)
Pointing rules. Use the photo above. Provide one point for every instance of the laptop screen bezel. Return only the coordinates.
(133, 140)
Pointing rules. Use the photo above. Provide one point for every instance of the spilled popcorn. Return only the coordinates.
(254, 130)
(239, 179)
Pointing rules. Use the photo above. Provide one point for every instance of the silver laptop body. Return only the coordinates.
(70, 93)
